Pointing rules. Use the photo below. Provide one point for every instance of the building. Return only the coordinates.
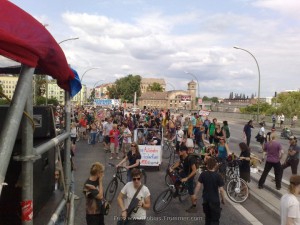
(101, 91)
(8, 84)
(176, 99)
(146, 82)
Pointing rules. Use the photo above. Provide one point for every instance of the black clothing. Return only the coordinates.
(247, 130)
(187, 164)
(211, 181)
(132, 158)
(212, 211)
(245, 166)
(277, 171)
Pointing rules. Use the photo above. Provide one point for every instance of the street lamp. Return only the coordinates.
(69, 39)
(96, 84)
(93, 68)
(171, 85)
(258, 97)
(198, 92)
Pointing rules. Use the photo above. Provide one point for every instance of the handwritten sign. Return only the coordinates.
(150, 155)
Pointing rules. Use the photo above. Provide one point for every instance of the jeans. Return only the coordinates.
(93, 138)
(248, 137)
(293, 163)
(277, 171)
(212, 211)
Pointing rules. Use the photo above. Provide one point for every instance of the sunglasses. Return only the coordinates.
(136, 178)
(133, 145)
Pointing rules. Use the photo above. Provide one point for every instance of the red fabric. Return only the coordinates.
(24, 39)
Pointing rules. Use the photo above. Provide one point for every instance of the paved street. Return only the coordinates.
(86, 155)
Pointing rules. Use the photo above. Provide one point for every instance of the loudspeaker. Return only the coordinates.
(43, 171)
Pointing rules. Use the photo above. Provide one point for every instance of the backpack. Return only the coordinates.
(198, 159)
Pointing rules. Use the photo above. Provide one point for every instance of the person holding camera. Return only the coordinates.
(134, 200)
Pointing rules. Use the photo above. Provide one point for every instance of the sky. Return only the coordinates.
(179, 41)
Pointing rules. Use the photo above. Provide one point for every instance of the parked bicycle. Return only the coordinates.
(237, 189)
(175, 189)
(119, 176)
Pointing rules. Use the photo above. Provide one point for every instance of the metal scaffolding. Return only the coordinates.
(22, 101)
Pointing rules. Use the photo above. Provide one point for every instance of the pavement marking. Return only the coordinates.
(244, 212)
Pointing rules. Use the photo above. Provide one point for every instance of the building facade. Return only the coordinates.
(8, 84)
(176, 99)
(146, 82)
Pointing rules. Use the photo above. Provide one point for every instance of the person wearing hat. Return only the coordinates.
(188, 173)
(292, 159)
(289, 204)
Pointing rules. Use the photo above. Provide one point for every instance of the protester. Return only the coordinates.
(212, 183)
(114, 142)
(292, 159)
(133, 157)
(274, 154)
(93, 190)
(247, 132)
(125, 200)
(289, 203)
(245, 162)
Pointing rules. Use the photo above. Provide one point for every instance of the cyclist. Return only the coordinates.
(188, 173)
(133, 157)
(223, 153)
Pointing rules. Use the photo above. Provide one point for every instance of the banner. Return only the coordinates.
(150, 155)
(185, 98)
(106, 102)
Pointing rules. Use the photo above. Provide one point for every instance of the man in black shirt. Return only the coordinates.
(212, 185)
(247, 132)
(188, 173)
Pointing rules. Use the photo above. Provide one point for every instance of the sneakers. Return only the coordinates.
(260, 187)
(278, 188)
(192, 209)
(111, 158)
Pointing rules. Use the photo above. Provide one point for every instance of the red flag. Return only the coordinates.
(24, 39)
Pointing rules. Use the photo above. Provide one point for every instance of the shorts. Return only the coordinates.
(82, 129)
(114, 147)
(106, 139)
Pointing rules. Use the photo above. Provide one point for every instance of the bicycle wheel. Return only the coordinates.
(163, 200)
(111, 190)
(166, 151)
(237, 190)
(144, 180)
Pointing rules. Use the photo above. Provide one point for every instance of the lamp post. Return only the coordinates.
(193, 75)
(258, 97)
(69, 39)
(96, 84)
(93, 68)
(171, 85)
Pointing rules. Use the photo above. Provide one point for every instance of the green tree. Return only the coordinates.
(1, 89)
(155, 87)
(289, 103)
(264, 108)
(92, 96)
(40, 84)
(125, 87)
(40, 100)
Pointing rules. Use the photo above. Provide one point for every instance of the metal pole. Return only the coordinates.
(258, 97)
(67, 163)
(51, 143)
(46, 89)
(69, 39)
(93, 68)
(57, 212)
(13, 119)
(27, 165)
(72, 210)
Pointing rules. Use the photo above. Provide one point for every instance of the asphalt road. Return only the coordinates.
(175, 214)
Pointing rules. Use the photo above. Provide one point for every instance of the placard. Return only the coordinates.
(150, 155)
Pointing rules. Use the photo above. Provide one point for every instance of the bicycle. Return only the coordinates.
(112, 186)
(237, 189)
(177, 189)
(168, 149)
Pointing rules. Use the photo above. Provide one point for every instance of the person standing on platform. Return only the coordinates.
(247, 132)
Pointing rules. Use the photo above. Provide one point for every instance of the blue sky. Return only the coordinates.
(158, 38)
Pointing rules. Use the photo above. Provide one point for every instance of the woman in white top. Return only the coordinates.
(289, 204)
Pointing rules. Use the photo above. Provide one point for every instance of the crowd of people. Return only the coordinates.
(190, 134)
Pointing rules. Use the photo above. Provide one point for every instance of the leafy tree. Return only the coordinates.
(53, 101)
(264, 108)
(289, 103)
(1, 88)
(40, 100)
(4, 102)
(155, 87)
(92, 96)
(40, 84)
(125, 87)
(214, 99)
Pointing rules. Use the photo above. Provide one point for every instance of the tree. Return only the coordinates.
(264, 108)
(125, 87)
(289, 103)
(40, 84)
(92, 96)
(155, 87)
